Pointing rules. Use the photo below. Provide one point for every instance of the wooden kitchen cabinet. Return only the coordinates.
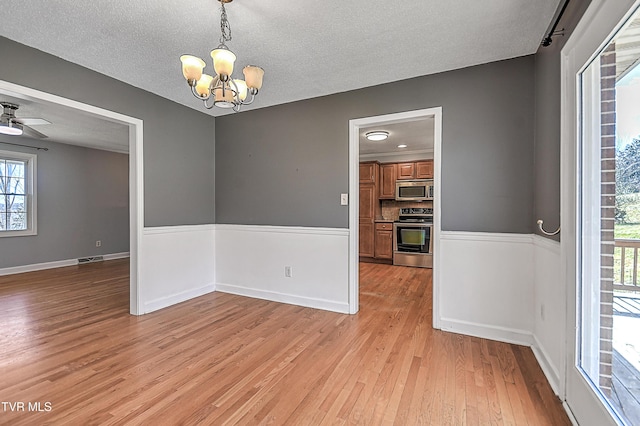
(369, 172)
(368, 201)
(415, 170)
(424, 169)
(388, 181)
(369, 206)
(384, 241)
(366, 240)
(406, 171)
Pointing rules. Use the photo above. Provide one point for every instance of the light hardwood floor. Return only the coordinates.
(66, 338)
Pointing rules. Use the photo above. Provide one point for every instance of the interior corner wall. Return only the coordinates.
(546, 204)
(178, 171)
(179, 143)
(288, 164)
(549, 291)
(83, 196)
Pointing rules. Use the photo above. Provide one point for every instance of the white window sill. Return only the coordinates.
(25, 233)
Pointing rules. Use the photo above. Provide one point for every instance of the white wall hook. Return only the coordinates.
(540, 222)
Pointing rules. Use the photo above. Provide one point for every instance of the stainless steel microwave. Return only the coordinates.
(414, 190)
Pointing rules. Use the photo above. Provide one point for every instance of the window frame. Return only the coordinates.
(30, 191)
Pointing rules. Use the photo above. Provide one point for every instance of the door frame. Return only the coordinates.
(354, 160)
(136, 174)
(594, 31)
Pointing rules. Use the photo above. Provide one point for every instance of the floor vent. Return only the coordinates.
(90, 259)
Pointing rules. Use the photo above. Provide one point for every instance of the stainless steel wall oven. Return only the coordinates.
(413, 238)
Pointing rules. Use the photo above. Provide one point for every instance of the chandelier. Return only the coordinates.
(222, 90)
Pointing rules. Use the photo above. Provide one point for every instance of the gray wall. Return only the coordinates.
(547, 123)
(287, 164)
(178, 141)
(83, 196)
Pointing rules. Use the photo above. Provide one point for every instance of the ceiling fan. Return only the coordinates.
(11, 125)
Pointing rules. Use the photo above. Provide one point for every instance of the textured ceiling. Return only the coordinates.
(68, 125)
(308, 48)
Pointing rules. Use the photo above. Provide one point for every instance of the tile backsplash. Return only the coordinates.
(391, 208)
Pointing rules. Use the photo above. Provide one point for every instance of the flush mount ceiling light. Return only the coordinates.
(402, 145)
(378, 135)
(222, 90)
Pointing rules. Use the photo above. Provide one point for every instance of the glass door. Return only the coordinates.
(600, 171)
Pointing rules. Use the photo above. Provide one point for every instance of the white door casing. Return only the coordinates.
(594, 32)
(136, 175)
(354, 158)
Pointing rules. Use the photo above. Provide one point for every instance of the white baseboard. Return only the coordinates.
(55, 264)
(180, 297)
(115, 256)
(567, 410)
(501, 334)
(553, 377)
(291, 299)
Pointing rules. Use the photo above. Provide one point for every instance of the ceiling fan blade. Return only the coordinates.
(33, 121)
(31, 132)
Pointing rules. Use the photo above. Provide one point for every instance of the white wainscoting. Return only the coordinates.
(251, 260)
(177, 263)
(549, 311)
(506, 287)
(486, 287)
(56, 264)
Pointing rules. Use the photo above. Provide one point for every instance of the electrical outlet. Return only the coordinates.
(287, 271)
(98, 243)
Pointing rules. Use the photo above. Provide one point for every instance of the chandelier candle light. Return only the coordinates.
(222, 90)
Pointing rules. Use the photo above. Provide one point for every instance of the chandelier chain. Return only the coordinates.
(225, 27)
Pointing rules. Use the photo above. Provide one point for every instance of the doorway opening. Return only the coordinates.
(389, 162)
(135, 169)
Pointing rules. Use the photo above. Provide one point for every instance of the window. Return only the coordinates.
(17, 194)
